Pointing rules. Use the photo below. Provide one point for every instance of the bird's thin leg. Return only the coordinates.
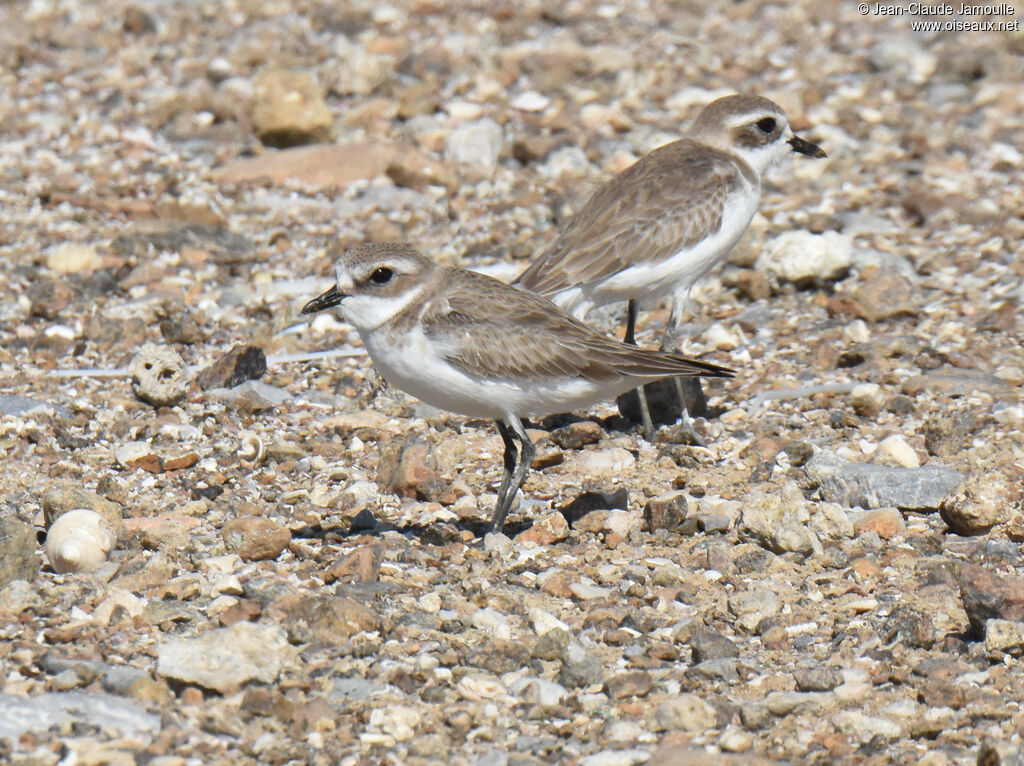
(690, 392)
(641, 395)
(630, 323)
(510, 458)
(526, 455)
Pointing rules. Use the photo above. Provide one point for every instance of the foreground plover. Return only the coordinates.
(661, 224)
(468, 343)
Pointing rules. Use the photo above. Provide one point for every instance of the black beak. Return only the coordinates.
(806, 147)
(327, 300)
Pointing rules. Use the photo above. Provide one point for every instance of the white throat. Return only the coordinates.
(368, 312)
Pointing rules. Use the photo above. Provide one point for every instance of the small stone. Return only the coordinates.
(18, 560)
(801, 257)
(982, 501)
(138, 455)
(817, 679)
(331, 619)
(72, 258)
(547, 530)
(255, 538)
(579, 668)
(551, 644)
(592, 502)
(226, 658)
(988, 596)
(752, 606)
(945, 436)
(407, 468)
(633, 683)
(882, 295)
(66, 496)
(894, 450)
(159, 376)
(577, 435)
(361, 565)
(686, 713)
(867, 399)
(755, 716)
(398, 721)
(868, 485)
(887, 523)
(476, 145)
(666, 511)
(238, 365)
(288, 109)
(1006, 636)
(709, 645)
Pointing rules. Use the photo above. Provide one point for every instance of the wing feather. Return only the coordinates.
(667, 201)
(531, 338)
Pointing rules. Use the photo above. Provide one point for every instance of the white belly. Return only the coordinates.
(672, 276)
(415, 366)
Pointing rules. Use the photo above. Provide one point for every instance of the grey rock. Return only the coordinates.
(868, 485)
(119, 679)
(476, 144)
(18, 546)
(709, 645)
(687, 712)
(252, 395)
(551, 645)
(755, 716)
(20, 714)
(225, 659)
(722, 669)
(817, 679)
(355, 688)
(579, 668)
(12, 404)
(752, 606)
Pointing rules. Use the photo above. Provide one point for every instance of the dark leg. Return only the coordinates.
(645, 410)
(630, 323)
(526, 456)
(692, 400)
(510, 459)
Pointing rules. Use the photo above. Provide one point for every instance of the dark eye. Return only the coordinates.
(382, 275)
(766, 125)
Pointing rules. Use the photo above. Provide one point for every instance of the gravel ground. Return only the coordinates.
(297, 574)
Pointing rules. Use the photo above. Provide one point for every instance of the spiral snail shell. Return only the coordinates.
(79, 541)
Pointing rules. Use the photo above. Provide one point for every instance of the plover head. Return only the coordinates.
(753, 127)
(374, 283)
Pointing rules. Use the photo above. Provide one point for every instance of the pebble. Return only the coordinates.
(579, 667)
(226, 658)
(752, 606)
(980, 502)
(238, 365)
(547, 530)
(875, 486)
(20, 714)
(255, 538)
(288, 109)
(801, 257)
(687, 712)
(476, 146)
(894, 450)
(159, 376)
(18, 548)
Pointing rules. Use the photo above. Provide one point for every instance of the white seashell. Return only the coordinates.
(252, 447)
(79, 541)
